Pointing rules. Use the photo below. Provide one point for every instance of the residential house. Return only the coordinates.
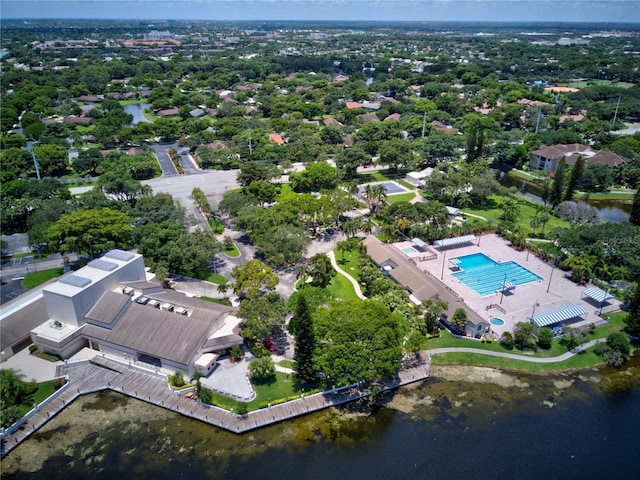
(169, 112)
(547, 158)
(276, 138)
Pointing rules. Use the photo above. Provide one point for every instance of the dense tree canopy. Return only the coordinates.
(358, 340)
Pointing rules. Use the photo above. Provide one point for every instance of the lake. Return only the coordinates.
(610, 210)
(136, 109)
(466, 422)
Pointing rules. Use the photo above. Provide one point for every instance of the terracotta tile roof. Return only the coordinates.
(276, 138)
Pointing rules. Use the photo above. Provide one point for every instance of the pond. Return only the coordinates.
(610, 210)
(136, 109)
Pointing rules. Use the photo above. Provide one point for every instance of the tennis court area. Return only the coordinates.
(390, 187)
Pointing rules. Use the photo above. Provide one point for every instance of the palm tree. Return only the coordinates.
(388, 230)
(344, 245)
(223, 288)
(196, 378)
(302, 270)
(403, 223)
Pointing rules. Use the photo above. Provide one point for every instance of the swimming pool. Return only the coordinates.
(485, 276)
(498, 322)
(409, 251)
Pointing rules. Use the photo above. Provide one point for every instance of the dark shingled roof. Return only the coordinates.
(407, 274)
(156, 333)
(18, 325)
(108, 308)
(180, 300)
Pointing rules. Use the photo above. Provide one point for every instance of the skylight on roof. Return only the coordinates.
(119, 255)
(103, 265)
(75, 280)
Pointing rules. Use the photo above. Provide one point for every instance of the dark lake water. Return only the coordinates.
(136, 109)
(575, 425)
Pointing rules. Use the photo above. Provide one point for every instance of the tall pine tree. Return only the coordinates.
(574, 178)
(634, 219)
(558, 184)
(633, 315)
(305, 340)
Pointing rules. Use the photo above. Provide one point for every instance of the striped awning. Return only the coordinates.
(557, 315)
(450, 242)
(597, 294)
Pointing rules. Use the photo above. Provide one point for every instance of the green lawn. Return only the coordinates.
(406, 184)
(232, 251)
(45, 390)
(284, 386)
(342, 288)
(38, 278)
(220, 301)
(349, 263)
(402, 197)
(582, 360)
(215, 278)
(613, 196)
(491, 211)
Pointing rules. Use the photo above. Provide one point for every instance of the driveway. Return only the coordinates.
(162, 153)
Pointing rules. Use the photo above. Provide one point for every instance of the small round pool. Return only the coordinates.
(498, 322)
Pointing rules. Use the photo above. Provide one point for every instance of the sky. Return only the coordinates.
(344, 10)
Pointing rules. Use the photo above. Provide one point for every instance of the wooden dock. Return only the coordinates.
(103, 374)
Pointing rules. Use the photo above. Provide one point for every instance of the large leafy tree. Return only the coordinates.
(322, 271)
(305, 340)
(358, 340)
(262, 315)
(350, 159)
(252, 277)
(90, 231)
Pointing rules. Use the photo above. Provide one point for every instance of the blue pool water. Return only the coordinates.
(485, 276)
(409, 251)
(498, 322)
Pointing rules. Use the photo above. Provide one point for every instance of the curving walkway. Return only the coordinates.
(513, 356)
(355, 284)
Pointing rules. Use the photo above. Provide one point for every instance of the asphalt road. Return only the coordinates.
(162, 153)
(213, 183)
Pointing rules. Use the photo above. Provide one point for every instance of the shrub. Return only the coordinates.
(176, 380)
(236, 352)
(507, 341)
(33, 348)
(545, 338)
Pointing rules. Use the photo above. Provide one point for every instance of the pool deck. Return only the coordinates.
(552, 291)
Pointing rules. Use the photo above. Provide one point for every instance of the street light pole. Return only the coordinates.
(551, 276)
(35, 161)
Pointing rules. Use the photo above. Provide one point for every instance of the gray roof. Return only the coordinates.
(157, 333)
(217, 342)
(407, 274)
(18, 325)
(179, 299)
(108, 308)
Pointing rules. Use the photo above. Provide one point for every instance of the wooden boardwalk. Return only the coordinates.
(102, 374)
